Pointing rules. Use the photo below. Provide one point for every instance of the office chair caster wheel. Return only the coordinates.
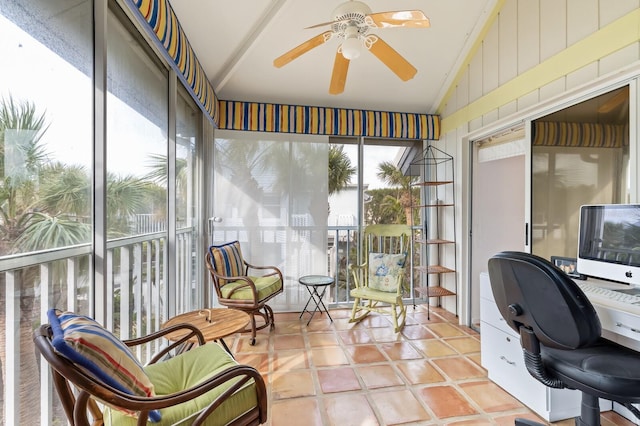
(526, 422)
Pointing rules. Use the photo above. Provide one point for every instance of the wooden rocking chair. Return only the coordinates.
(379, 282)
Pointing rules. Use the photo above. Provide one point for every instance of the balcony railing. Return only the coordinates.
(137, 280)
(32, 283)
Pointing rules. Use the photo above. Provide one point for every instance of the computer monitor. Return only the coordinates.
(609, 242)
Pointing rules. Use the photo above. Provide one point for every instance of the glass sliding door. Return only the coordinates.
(386, 190)
(580, 155)
(188, 118)
(270, 193)
(46, 129)
(137, 192)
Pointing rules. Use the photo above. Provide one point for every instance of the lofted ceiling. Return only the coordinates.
(237, 41)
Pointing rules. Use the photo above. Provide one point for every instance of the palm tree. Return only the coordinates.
(21, 129)
(393, 176)
(45, 205)
(340, 169)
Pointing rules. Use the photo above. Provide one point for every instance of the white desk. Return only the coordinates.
(620, 321)
(501, 353)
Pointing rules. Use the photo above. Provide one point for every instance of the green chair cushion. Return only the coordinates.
(376, 295)
(185, 371)
(265, 286)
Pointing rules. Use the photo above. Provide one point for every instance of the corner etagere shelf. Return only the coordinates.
(438, 192)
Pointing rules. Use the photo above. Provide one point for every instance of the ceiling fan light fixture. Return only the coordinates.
(351, 48)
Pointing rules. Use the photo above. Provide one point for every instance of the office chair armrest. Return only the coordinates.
(533, 359)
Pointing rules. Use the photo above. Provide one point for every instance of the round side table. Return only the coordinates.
(316, 285)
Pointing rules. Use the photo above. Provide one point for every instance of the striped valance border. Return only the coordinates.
(263, 117)
(163, 23)
(595, 135)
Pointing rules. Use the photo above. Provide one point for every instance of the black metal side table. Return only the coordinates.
(314, 283)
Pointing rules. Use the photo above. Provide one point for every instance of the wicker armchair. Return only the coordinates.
(240, 285)
(203, 386)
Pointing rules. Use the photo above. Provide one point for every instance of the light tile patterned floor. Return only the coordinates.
(342, 374)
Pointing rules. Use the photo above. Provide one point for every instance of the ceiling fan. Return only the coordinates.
(351, 24)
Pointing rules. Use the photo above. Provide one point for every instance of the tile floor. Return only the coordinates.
(337, 373)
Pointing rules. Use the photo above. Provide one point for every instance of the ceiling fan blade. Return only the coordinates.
(613, 102)
(316, 41)
(391, 58)
(339, 75)
(401, 18)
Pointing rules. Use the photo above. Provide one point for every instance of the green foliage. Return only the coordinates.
(46, 231)
(384, 207)
(46, 204)
(340, 168)
(393, 205)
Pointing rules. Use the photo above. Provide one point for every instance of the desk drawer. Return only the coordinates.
(490, 314)
(502, 357)
(619, 322)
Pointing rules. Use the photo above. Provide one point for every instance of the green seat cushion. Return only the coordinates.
(185, 371)
(381, 296)
(265, 286)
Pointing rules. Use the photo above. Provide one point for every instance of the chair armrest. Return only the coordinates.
(248, 283)
(274, 269)
(358, 271)
(194, 331)
(246, 373)
(240, 374)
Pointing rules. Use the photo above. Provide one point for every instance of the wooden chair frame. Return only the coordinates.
(254, 306)
(389, 239)
(77, 405)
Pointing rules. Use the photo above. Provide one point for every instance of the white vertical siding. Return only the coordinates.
(553, 13)
(531, 53)
(490, 76)
(507, 44)
(582, 19)
(528, 35)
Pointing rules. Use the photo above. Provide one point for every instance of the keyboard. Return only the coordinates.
(607, 296)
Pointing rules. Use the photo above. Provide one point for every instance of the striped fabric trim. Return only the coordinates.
(263, 117)
(163, 24)
(594, 135)
(86, 343)
(227, 260)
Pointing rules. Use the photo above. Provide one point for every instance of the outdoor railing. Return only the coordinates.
(136, 279)
(32, 283)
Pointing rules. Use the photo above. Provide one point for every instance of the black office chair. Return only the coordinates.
(560, 334)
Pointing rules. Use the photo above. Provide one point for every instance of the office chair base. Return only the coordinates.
(589, 411)
(527, 422)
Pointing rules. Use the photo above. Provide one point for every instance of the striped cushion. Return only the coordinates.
(85, 342)
(227, 259)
